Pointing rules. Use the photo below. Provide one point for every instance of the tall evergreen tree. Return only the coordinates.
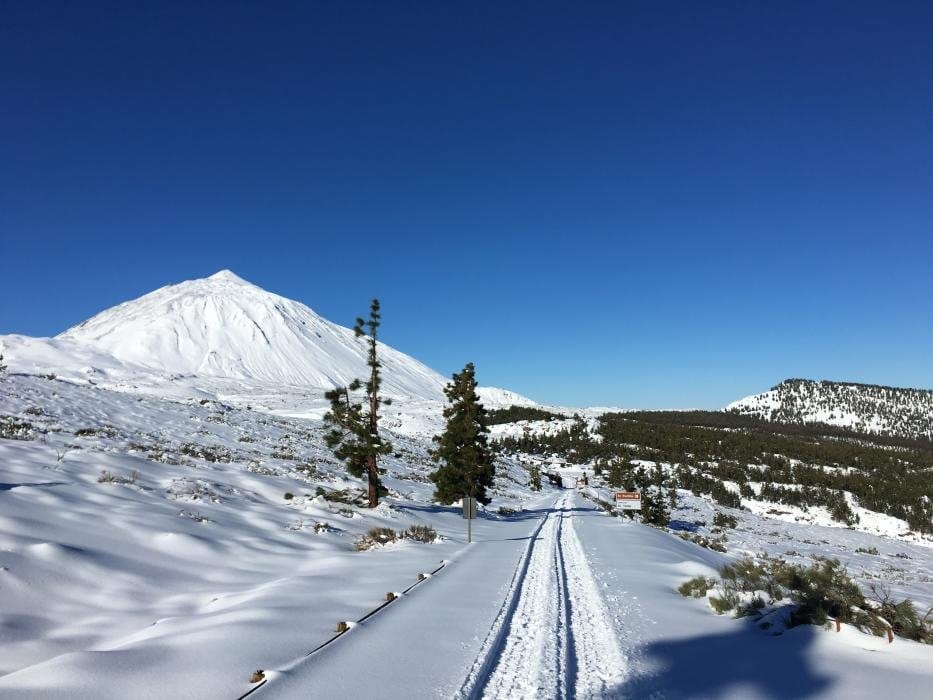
(654, 503)
(354, 427)
(465, 466)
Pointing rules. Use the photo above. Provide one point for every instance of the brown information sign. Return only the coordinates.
(628, 500)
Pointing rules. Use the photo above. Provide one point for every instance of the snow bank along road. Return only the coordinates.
(554, 636)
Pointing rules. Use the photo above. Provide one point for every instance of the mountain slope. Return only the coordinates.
(864, 407)
(223, 326)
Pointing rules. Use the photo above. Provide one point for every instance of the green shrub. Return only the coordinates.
(725, 603)
(697, 587)
(289, 495)
(868, 550)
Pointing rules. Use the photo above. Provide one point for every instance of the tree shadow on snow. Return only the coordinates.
(735, 664)
(9, 487)
(683, 525)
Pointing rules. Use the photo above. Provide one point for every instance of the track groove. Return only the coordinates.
(555, 637)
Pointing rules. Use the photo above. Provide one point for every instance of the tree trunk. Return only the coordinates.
(373, 428)
(373, 474)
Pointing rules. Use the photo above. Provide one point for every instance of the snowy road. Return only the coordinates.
(554, 637)
(563, 602)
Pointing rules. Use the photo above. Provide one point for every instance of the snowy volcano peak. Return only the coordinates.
(227, 276)
(224, 326)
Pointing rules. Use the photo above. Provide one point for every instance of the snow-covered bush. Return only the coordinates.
(106, 477)
(375, 537)
(13, 429)
(819, 593)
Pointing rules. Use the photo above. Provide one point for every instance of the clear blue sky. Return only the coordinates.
(641, 204)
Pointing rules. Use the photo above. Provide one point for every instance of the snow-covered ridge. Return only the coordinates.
(493, 397)
(864, 407)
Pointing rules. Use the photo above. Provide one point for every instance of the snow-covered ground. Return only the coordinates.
(198, 572)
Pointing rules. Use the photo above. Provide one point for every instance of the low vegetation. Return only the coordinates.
(777, 593)
(106, 477)
(380, 536)
(14, 429)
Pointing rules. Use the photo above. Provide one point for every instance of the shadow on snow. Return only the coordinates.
(735, 664)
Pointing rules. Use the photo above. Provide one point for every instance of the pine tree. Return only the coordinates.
(465, 466)
(534, 478)
(654, 503)
(354, 428)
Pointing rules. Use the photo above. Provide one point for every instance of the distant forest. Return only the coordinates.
(798, 464)
(513, 414)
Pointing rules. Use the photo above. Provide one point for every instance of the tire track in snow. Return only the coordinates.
(528, 664)
(565, 633)
(600, 663)
(478, 677)
(556, 638)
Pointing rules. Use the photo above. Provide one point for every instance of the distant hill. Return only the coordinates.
(867, 408)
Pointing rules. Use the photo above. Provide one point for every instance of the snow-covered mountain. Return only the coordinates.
(493, 397)
(863, 407)
(224, 337)
(223, 326)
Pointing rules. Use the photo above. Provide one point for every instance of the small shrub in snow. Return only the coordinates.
(197, 517)
(868, 550)
(420, 533)
(725, 603)
(375, 537)
(106, 477)
(289, 495)
(697, 587)
(13, 429)
(725, 520)
(207, 453)
(104, 431)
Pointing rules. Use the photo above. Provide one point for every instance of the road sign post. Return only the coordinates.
(628, 500)
(469, 512)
